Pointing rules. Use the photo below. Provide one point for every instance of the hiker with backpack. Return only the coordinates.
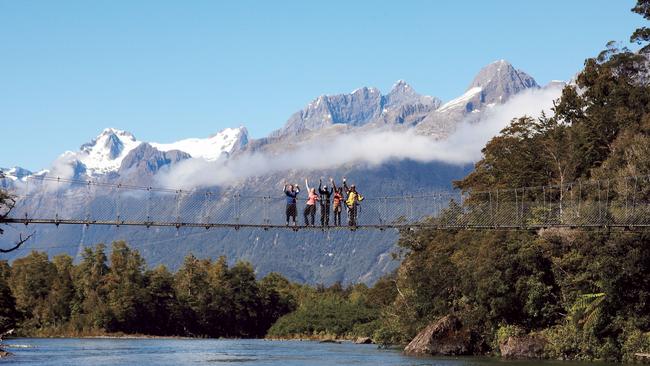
(352, 202)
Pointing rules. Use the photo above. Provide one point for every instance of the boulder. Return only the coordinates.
(330, 341)
(4, 353)
(363, 340)
(445, 337)
(522, 347)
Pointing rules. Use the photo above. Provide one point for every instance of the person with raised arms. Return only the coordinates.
(337, 202)
(291, 191)
(310, 206)
(352, 202)
(325, 200)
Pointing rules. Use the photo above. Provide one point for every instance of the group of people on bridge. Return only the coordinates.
(330, 198)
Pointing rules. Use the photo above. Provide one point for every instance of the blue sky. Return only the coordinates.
(169, 70)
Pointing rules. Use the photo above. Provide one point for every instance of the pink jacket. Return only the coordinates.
(312, 198)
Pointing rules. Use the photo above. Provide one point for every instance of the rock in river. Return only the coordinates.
(363, 340)
(444, 337)
(521, 347)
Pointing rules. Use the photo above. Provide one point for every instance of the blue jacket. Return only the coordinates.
(291, 196)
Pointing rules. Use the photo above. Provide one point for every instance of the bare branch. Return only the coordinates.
(20, 242)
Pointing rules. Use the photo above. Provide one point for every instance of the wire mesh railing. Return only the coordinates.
(622, 202)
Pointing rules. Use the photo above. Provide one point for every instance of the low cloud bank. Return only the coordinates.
(373, 148)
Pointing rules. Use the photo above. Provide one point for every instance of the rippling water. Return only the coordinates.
(215, 351)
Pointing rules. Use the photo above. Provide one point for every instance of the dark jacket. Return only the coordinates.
(325, 194)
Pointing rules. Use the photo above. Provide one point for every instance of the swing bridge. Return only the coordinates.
(619, 203)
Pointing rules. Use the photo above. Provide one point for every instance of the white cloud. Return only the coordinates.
(62, 167)
(463, 146)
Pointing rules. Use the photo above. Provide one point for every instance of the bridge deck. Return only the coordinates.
(405, 226)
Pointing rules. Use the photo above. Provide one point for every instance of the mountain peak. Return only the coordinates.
(403, 94)
(502, 71)
(111, 139)
(114, 131)
(364, 91)
(402, 87)
(499, 81)
(106, 151)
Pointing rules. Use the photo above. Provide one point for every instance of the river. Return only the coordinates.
(109, 352)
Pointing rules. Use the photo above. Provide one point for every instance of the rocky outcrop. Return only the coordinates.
(146, 160)
(363, 340)
(445, 337)
(522, 347)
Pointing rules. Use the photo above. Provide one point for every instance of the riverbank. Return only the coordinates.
(94, 335)
(312, 337)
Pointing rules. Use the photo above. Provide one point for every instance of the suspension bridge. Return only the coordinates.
(621, 203)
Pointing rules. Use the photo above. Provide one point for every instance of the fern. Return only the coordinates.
(586, 309)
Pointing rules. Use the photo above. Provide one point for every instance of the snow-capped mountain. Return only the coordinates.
(15, 173)
(107, 152)
(211, 148)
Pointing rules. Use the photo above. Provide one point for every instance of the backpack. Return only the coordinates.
(353, 198)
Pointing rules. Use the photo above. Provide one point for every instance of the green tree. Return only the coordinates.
(277, 298)
(510, 159)
(642, 35)
(5, 270)
(163, 312)
(247, 306)
(8, 313)
(125, 288)
(191, 284)
(31, 280)
(61, 293)
(90, 309)
(221, 299)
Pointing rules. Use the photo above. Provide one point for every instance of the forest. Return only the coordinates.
(203, 298)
